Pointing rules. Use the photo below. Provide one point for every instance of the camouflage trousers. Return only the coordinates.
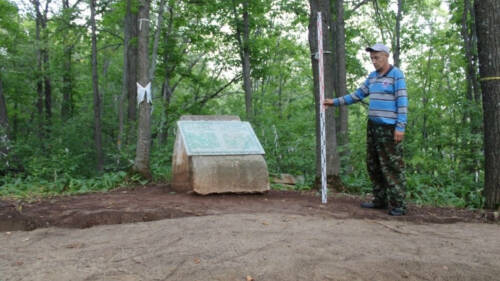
(384, 160)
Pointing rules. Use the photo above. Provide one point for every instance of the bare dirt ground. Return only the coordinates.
(153, 233)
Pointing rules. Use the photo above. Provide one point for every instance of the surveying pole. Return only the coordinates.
(322, 109)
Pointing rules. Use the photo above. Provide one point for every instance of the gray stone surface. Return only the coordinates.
(181, 177)
(207, 174)
(229, 173)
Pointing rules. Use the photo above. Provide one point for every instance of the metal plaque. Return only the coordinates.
(219, 138)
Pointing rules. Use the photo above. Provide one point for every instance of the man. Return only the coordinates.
(385, 130)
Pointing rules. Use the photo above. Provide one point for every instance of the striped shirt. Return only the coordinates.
(388, 98)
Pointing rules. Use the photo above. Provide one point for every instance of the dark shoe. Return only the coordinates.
(373, 205)
(397, 212)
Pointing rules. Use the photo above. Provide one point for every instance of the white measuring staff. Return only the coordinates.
(322, 109)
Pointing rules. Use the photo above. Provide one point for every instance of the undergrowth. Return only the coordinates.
(31, 187)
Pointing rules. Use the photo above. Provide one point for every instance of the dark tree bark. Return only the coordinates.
(67, 102)
(39, 82)
(41, 23)
(95, 87)
(425, 99)
(166, 96)
(47, 84)
(127, 25)
(167, 90)
(131, 24)
(142, 155)
(15, 121)
(156, 41)
(124, 94)
(397, 47)
(67, 88)
(332, 159)
(474, 58)
(42, 19)
(340, 82)
(3, 108)
(473, 91)
(488, 32)
(4, 124)
(242, 36)
(472, 110)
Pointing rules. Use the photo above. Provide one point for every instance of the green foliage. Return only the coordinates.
(161, 164)
(29, 187)
(199, 59)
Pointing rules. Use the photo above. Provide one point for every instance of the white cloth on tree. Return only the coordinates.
(140, 22)
(144, 93)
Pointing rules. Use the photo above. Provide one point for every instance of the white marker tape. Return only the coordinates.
(144, 93)
(140, 22)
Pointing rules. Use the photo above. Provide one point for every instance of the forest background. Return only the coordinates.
(69, 112)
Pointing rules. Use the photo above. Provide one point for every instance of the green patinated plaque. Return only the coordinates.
(219, 138)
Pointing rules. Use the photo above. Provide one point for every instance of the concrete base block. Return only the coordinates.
(230, 173)
(208, 174)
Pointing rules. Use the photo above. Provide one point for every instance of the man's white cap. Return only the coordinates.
(378, 48)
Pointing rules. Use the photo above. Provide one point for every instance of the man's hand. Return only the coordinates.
(328, 102)
(398, 136)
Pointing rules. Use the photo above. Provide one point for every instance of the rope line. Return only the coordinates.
(490, 78)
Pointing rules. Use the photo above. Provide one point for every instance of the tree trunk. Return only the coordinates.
(47, 85)
(470, 42)
(141, 164)
(15, 121)
(242, 36)
(125, 79)
(340, 85)
(95, 87)
(44, 89)
(425, 100)
(66, 77)
(472, 114)
(3, 108)
(39, 82)
(4, 125)
(67, 88)
(332, 159)
(131, 23)
(468, 50)
(488, 31)
(156, 41)
(167, 91)
(129, 78)
(474, 59)
(472, 110)
(247, 82)
(397, 47)
(67, 102)
(166, 95)
(121, 118)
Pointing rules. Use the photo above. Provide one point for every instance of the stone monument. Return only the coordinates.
(218, 154)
